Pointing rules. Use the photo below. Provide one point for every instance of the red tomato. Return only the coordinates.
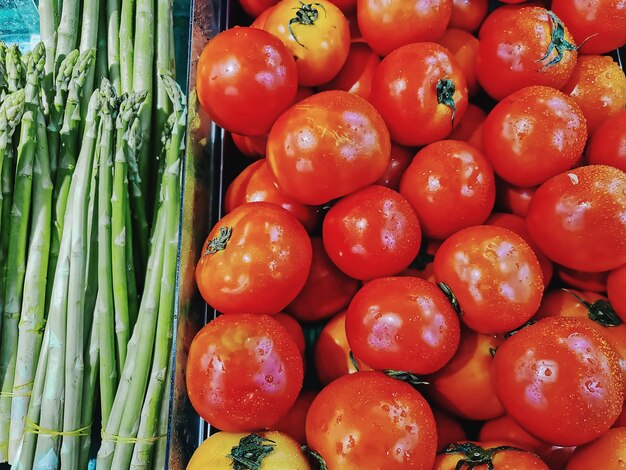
(255, 260)
(246, 79)
(534, 134)
(371, 233)
(498, 455)
(345, 5)
(327, 290)
(577, 218)
(513, 199)
(259, 21)
(468, 14)
(607, 146)
(560, 380)
(387, 25)
(621, 420)
(293, 328)
(253, 147)
(357, 73)
(256, 184)
(449, 430)
(369, 420)
(495, 276)
(464, 49)
(317, 34)
(581, 280)
(399, 161)
(294, 421)
(402, 323)
(470, 128)
(421, 92)
(615, 290)
(451, 186)
(464, 386)
(255, 8)
(597, 25)
(598, 85)
(523, 47)
(505, 428)
(244, 372)
(327, 146)
(608, 452)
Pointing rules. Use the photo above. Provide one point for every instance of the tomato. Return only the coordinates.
(621, 420)
(494, 455)
(615, 290)
(607, 145)
(327, 289)
(259, 21)
(470, 128)
(608, 452)
(421, 92)
(371, 233)
(255, 260)
(293, 328)
(357, 73)
(598, 85)
(317, 34)
(398, 163)
(246, 78)
(255, 8)
(581, 280)
(464, 385)
(294, 421)
(369, 420)
(346, 6)
(402, 323)
(244, 372)
(577, 218)
(495, 276)
(327, 146)
(270, 449)
(513, 199)
(451, 186)
(534, 134)
(464, 49)
(387, 25)
(560, 380)
(468, 14)
(597, 25)
(523, 47)
(449, 430)
(252, 147)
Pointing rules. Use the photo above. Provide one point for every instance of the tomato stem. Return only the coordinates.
(353, 360)
(473, 455)
(315, 457)
(306, 15)
(519, 328)
(408, 377)
(423, 257)
(250, 451)
(445, 95)
(220, 241)
(445, 288)
(558, 42)
(601, 311)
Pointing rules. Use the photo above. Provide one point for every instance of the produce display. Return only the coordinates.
(420, 261)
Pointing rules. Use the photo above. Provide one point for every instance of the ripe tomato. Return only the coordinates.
(357, 73)
(464, 49)
(259, 21)
(421, 92)
(470, 128)
(255, 260)
(615, 290)
(369, 420)
(577, 218)
(581, 280)
(607, 146)
(293, 328)
(560, 380)
(345, 5)
(451, 186)
(449, 430)
(270, 449)
(317, 34)
(495, 276)
(534, 134)
(523, 47)
(468, 15)
(246, 79)
(621, 420)
(402, 323)
(598, 85)
(494, 455)
(597, 25)
(255, 8)
(253, 147)
(256, 184)
(244, 372)
(327, 290)
(607, 452)
(464, 385)
(372, 232)
(294, 421)
(327, 146)
(513, 199)
(399, 161)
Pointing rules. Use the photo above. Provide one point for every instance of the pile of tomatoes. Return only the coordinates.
(437, 194)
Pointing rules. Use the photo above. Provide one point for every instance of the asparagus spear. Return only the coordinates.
(92, 365)
(127, 35)
(160, 452)
(102, 68)
(113, 43)
(67, 31)
(18, 236)
(88, 40)
(15, 68)
(48, 23)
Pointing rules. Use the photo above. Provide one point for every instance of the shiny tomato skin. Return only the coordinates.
(293, 423)
(608, 452)
(402, 323)
(386, 25)
(560, 380)
(246, 79)
(468, 14)
(253, 147)
(465, 386)
(449, 429)
(256, 184)
(321, 47)
(615, 290)
(513, 199)
(581, 280)
(534, 134)
(261, 266)
(357, 73)
(607, 146)
(470, 128)
(464, 49)
(371, 233)
(369, 420)
(293, 328)
(243, 372)
(404, 91)
(511, 52)
(576, 218)
(505, 459)
(327, 146)
(327, 289)
(494, 275)
(398, 163)
(598, 85)
(451, 186)
(255, 7)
